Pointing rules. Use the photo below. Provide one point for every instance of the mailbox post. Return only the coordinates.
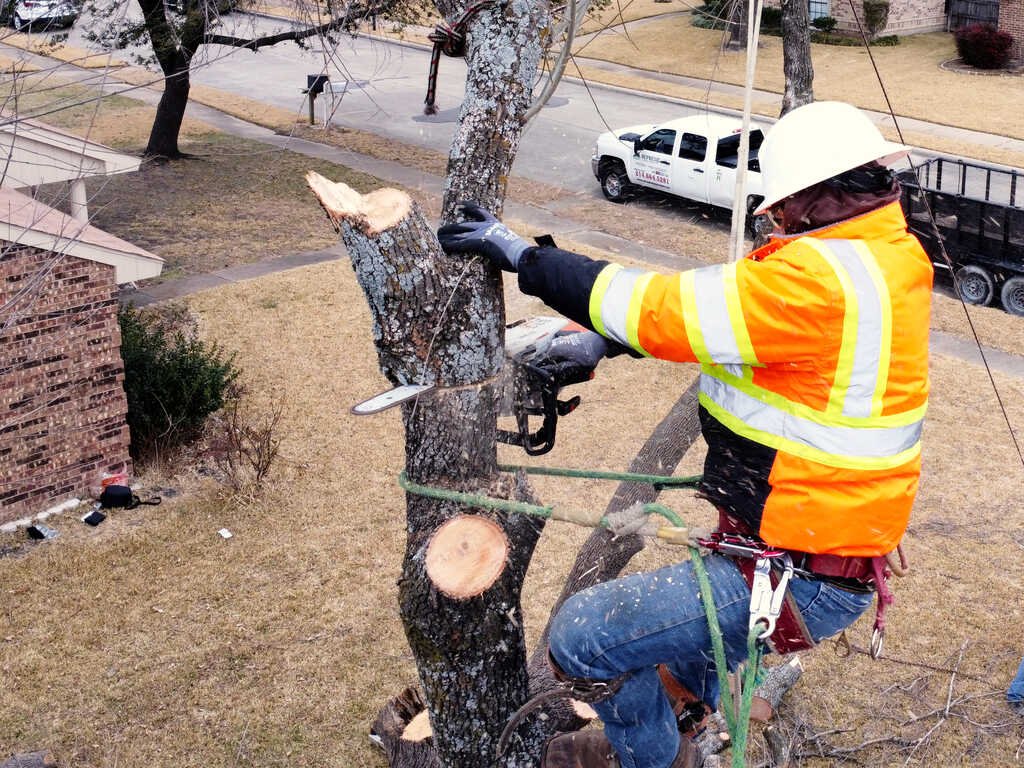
(314, 87)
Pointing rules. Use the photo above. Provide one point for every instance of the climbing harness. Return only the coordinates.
(451, 41)
(736, 711)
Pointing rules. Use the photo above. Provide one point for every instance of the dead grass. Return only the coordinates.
(277, 646)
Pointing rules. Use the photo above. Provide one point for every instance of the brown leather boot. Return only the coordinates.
(591, 749)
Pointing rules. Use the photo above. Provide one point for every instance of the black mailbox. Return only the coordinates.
(315, 84)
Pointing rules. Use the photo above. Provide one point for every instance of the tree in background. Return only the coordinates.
(176, 38)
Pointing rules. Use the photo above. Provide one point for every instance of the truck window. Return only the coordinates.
(661, 141)
(728, 152)
(693, 147)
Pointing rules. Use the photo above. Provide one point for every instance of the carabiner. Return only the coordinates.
(765, 602)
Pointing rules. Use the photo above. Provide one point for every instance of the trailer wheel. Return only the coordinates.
(975, 285)
(1013, 295)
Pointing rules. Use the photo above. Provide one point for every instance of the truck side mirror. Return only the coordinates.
(637, 146)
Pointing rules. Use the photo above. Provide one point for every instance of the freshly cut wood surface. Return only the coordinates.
(466, 555)
(371, 213)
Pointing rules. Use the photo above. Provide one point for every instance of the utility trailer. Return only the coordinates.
(979, 215)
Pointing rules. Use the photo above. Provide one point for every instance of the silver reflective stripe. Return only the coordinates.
(713, 315)
(868, 342)
(759, 416)
(616, 302)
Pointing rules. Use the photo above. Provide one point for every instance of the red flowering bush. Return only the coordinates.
(983, 46)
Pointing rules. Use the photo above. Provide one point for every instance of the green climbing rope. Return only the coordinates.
(737, 721)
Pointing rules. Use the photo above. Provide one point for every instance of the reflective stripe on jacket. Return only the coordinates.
(814, 347)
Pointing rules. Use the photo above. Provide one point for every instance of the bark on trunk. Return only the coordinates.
(502, 55)
(437, 320)
(170, 112)
(796, 55)
(737, 38)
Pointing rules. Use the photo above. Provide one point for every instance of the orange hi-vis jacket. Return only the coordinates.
(814, 371)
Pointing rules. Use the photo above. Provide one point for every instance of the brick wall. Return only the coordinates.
(62, 401)
(905, 16)
(1011, 21)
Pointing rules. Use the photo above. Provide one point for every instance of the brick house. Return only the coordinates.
(62, 401)
(906, 17)
(1011, 21)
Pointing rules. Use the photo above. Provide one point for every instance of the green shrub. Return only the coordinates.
(172, 379)
(826, 24)
(876, 16)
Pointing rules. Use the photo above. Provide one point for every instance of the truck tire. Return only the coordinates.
(758, 227)
(1013, 295)
(615, 183)
(975, 285)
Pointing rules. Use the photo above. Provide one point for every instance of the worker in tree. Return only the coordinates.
(813, 386)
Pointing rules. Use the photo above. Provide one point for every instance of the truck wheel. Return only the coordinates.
(615, 184)
(975, 285)
(1013, 295)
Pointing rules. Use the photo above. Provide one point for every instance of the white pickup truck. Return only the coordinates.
(692, 157)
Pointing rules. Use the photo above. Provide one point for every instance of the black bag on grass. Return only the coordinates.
(121, 496)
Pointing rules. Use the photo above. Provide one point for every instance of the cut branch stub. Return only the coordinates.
(371, 213)
(466, 555)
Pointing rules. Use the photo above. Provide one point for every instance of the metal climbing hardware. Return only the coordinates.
(765, 602)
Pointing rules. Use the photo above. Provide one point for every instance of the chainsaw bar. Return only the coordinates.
(389, 399)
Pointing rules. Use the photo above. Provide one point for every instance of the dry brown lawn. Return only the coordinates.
(150, 640)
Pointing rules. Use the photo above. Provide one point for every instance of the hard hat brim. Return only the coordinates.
(892, 152)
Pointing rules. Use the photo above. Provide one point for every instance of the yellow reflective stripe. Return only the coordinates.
(597, 292)
(737, 319)
(902, 419)
(691, 317)
(636, 305)
(802, 450)
(885, 342)
(848, 343)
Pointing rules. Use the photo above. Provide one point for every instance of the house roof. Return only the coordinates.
(34, 153)
(26, 221)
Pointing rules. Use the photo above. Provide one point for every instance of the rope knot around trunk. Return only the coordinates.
(451, 41)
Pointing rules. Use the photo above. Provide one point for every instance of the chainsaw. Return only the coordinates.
(543, 355)
(542, 359)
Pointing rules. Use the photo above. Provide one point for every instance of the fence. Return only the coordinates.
(964, 12)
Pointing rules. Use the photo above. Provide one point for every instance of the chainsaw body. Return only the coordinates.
(534, 380)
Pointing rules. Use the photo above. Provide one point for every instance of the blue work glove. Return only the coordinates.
(481, 232)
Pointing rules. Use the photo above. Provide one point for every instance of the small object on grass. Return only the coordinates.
(225, 533)
(94, 518)
(40, 531)
(30, 760)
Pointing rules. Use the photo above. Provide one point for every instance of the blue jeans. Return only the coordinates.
(1015, 694)
(633, 623)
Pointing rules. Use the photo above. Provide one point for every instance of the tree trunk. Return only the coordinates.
(435, 322)
(796, 55)
(503, 55)
(737, 38)
(170, 112)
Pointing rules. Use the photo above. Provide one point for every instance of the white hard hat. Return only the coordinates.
(816, 142)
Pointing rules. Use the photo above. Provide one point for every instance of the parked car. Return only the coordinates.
(692, 157)
(39, 14)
